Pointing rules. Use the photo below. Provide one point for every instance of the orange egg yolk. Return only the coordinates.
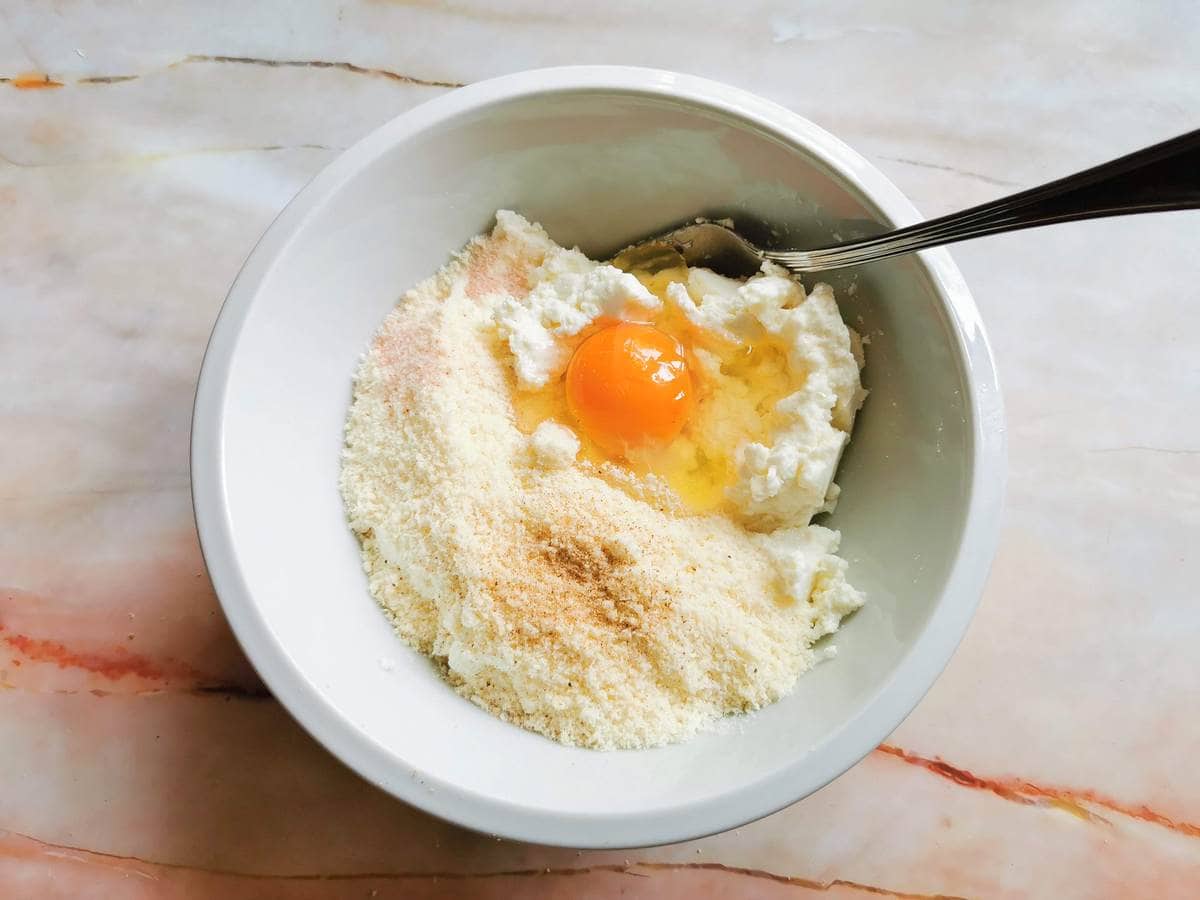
(628, 386)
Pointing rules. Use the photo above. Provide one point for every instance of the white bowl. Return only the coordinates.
(599, 155)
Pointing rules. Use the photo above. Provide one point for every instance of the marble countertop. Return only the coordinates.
(145, 148)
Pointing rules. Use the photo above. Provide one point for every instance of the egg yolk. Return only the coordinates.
(628, 386)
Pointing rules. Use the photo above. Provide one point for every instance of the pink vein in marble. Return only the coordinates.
(68, 872)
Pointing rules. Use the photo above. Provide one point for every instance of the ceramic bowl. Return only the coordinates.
(599, 155)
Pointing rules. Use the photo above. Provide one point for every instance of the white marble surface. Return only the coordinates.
(1055, 758)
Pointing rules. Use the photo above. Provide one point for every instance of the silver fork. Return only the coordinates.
(1163, 177)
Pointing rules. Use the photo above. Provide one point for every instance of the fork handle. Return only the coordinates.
(1163, 177)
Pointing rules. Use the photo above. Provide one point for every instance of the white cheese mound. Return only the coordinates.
(789, 479)
(567, 293)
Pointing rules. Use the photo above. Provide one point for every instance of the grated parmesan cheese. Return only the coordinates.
(548, 592)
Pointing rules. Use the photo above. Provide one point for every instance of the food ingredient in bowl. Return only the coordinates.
(628, 386)
(609, 570)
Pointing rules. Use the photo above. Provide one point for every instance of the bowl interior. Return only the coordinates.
(597, 168)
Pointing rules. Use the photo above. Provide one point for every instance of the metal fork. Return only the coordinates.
(1163, 177)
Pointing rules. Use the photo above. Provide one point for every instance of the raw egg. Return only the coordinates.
(628, 387)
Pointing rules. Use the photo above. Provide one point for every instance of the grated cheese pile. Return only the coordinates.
(560, 598)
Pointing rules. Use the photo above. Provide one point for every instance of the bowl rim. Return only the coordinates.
(907, 684)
